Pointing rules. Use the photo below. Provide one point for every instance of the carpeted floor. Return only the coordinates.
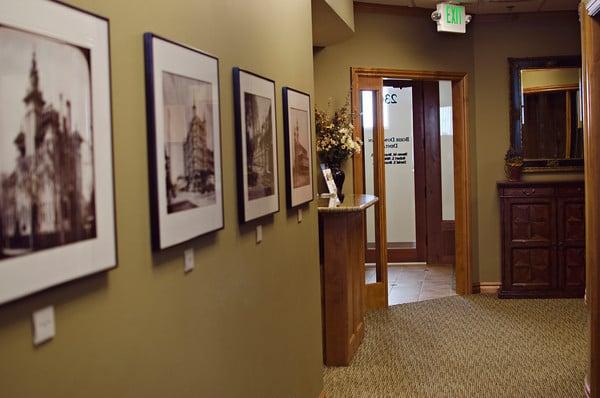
(473, 346)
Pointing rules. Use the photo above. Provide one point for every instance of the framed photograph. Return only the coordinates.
(298, 147)
(256, 130)
(57, 218)
(184, 141)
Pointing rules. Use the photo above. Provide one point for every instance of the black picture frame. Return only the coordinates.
(297, 196)
(515, 66)
(173, 224)
(250, 209)
(73, 255)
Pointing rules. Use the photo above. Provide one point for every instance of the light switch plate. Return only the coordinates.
(188, 256)
(44, 328)
(299, 215)
(258, 233)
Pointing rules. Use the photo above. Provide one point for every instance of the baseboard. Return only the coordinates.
(486, 287)
(588, 390)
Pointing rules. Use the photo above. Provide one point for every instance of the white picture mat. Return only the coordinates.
(32, 272)
(302, 194)
(269, 204)
(184, 225)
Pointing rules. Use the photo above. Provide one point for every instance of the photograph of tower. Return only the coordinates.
(47, 191)
(259, 146)
(189, 147)
(300, 147)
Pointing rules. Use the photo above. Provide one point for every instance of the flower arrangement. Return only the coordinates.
(335, 140)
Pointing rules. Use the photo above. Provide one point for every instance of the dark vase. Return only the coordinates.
(338, 177)
(513, 173)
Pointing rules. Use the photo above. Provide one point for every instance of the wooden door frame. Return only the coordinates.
(462, 169)
(590, 65)
(376, 294)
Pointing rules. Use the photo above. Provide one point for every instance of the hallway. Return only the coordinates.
(413, 282)
(472, 346)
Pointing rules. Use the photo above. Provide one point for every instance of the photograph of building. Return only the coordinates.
(46, 147)
(300, 147)
(189, 147)
(259, 146)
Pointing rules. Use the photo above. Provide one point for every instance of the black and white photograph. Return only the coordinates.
(182, 95)
(296, 108)
(258, 188)
(189, 148)
(259, 146)
(46, 144)
(55, 133)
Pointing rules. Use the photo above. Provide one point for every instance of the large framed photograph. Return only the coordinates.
(56, 171)
(184, 141)
(256, 129)
(298, 147)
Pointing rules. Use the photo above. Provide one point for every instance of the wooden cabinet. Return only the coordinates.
(342, 245)
(543, 239)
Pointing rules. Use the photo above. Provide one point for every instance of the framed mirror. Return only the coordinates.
(545, 112)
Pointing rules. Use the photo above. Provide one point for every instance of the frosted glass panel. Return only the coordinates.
(399, 165)
(446, 150)
(367, 118)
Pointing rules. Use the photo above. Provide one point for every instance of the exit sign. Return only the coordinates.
(452, 18)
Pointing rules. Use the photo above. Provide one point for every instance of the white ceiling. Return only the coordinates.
(490, 6)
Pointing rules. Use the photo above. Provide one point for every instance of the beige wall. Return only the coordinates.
(345, 9)
(402, 41)
(332, 21)
(246, 322)
(538, 78)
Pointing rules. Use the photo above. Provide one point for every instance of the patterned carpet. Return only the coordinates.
(473, 346)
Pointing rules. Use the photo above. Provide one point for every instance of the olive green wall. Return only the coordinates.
(403, 41)
(495, 39)
(247, 321)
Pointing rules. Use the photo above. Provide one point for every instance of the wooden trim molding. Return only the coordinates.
(486, 287)
(392, 9)
(462, 167)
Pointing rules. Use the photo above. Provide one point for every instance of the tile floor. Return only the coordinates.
(411, 282)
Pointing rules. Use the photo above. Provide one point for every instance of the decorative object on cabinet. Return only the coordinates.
(184, 141)
(298, 147)
(256, 129)
(546, 117)
(57, 218)
(513, 163)
(543, 239)
(336, 141)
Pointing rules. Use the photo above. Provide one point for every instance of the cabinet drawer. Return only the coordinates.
(570, 190)
(528, 192)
